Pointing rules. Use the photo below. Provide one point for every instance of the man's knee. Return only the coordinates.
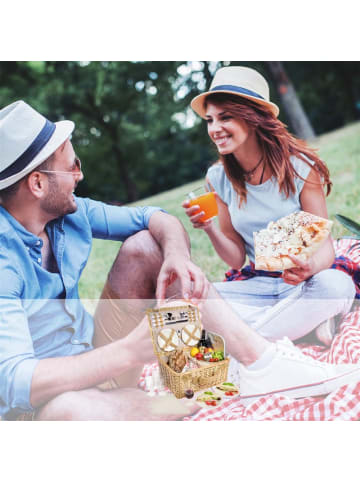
(141, 247)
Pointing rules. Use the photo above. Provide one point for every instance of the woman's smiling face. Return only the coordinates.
(227, 133)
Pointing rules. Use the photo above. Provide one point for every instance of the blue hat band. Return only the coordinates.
(31, 152)
(238, 90)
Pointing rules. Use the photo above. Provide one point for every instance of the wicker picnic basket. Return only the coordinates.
(184, 321)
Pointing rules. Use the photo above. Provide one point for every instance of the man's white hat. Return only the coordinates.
(27, 138)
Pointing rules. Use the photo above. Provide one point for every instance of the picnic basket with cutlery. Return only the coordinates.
(190, 359)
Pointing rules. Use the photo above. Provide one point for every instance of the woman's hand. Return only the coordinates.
(195, 215)
(303, 271)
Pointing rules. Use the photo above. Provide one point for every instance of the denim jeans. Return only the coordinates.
(276, 309)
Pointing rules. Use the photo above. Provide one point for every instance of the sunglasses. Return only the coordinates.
(75, 170)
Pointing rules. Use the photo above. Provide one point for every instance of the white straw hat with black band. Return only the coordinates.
(27, 138)
(241, 81)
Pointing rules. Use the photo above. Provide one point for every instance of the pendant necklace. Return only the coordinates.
(248, 175)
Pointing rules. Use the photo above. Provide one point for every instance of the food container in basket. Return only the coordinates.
(179, 327)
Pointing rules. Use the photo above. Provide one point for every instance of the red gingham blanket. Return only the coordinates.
(343, 404)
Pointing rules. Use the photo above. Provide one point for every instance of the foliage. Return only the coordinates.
(127, 132)
(329, 92)
(134, 130)
(349, 224)
(340, 149)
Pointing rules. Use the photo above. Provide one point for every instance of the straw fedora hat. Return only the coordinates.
(27, 138)
(241, 81)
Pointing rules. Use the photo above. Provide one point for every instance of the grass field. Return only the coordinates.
(340, 149)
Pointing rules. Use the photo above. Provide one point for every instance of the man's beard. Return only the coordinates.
(56, 203)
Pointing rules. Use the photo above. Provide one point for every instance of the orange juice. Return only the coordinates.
(207, 203)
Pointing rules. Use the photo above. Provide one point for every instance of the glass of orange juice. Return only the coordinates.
(205, 198)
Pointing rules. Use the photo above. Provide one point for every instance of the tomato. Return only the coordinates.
(208, 402)
(199, 356)
(229, 394)
(213, 403)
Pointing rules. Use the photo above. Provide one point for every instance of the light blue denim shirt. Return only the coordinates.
(41, 315)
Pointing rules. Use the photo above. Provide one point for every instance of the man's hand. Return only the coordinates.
(302, 272)
(177, 265)
(139, 344)
(193, 282)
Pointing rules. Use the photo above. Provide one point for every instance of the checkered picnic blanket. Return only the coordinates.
(343, 404)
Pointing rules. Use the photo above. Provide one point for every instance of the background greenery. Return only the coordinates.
(134, 130)
(340, 149)
(138, 139)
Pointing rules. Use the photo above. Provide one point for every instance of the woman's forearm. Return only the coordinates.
(229, 250)
(324, 257)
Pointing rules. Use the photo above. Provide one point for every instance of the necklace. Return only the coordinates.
(248, 175)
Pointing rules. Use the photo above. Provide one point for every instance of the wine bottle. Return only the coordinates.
(202, 341)
(208, 342)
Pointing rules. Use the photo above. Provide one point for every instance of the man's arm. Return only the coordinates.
(54, 376)
(118, 223)
(175, 245)
(27, 382)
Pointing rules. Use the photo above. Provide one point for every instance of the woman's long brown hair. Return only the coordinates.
(275, 141)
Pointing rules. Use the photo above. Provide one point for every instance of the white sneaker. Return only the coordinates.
(294, 375)
(325, 332)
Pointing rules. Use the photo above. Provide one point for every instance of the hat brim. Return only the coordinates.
(62, 132)
(198, 102)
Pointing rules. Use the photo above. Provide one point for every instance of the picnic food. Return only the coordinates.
(209, 398)
(228, 388)
(194, 351)
(177, 360)
(174, 346)
(168, 339)
(207, 354)
(300, 233)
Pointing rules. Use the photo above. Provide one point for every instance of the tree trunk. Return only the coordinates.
(290, 101)
(207, 75)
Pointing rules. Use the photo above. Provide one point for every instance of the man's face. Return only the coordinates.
(59, 200)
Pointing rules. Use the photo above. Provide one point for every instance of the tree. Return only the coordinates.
(135, 131)
(290, 101)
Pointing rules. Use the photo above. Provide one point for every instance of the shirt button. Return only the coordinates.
(76, 342)
(39, 260)
(28, 248)
(37, 243)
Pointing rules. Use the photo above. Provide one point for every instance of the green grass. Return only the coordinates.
(340, 149)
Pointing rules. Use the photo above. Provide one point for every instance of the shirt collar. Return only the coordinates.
(26, 236)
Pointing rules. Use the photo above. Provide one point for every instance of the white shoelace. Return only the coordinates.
(287, 348)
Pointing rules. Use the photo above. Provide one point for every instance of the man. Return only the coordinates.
(46, 236)
(56, 362)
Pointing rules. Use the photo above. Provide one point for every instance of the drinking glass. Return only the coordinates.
(206, 200)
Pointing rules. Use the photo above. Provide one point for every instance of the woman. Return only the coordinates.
(263, 174)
